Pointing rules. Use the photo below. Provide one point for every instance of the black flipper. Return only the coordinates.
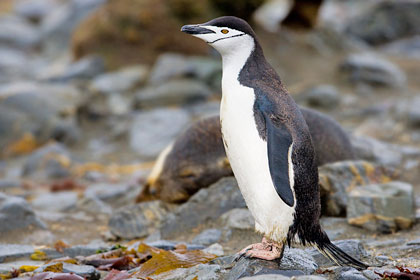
(340, 257)
(279, 140)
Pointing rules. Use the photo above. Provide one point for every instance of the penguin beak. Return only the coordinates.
(195, 30)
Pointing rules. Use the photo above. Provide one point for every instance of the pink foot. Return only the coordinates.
(266, 250)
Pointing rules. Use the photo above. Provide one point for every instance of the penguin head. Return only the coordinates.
(226, 34)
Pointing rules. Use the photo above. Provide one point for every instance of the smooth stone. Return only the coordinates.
(407, 47)
(370, 274)
(12, 252)
(47, 162)
(86, 271)
(350, 274)
(175, 92)
(94, 205)
(414, 242)
(112, 194)
(353, 248)
(17, 214)
(270, 14)
(372, 69)
(83, 69)
(16, 32)
(239, 218)
(34, 10)
(385, 22)
(56, 201)
(152, 131)
(119, 81)
(206, 205)
(171, 245)
(170, 66)
(201, 271)
(137, 221)
(215, 249)
(337, 179)
(208, 236)
(267, 277)
(298, 259)
(322, 96)
(382, 207)
(5, 268)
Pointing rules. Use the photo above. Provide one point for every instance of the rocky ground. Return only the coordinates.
(77, 141)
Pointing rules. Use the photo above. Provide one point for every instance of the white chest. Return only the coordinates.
(247, 153)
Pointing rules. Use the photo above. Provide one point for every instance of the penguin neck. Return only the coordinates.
(235, 60)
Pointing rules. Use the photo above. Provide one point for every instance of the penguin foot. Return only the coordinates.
(266, 250)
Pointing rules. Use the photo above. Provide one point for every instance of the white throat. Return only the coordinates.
(235, 58)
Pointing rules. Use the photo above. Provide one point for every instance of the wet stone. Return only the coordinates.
(207, 237)
(382, 207)
(206, 205)
(371, 69)
(139, 220)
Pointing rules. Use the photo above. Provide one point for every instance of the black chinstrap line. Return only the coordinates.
(238, 35)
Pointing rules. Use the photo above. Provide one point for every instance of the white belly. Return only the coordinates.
(247, 154)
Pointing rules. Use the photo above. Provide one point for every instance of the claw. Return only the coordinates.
(241, 254)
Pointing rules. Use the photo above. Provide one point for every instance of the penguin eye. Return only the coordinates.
(224, 31)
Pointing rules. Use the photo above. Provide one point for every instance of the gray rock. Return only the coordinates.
(337, 179)
(39, 111)
(374, 150)
(386, 21)
(93, 205)
(6, 184)
(15, 32)
(409, 47)
(86, 271)
(201, 271)
(310, 277)
(139, 220)
(367, 68)
(84, 250)
(270, 14)
(371, 275)
(13, 62)
(58, 25)
(120, 81)
(185, 91)
(51, 161)
(84, 69)
(353, 248)
(208, 236)
(415, 242)
(16, 214)
(34, 10)
(322, 96)
(288, 266)
(169, 66)
(267, 277)
(382, 207)
(152, 131)
(239, 218)
(12, 252)
(204, 110)
(5, 268)
(215, 249)
(413, 113)
(56, 201)
(350, 274)
(170, 245)
(115, 195)
(206, 205)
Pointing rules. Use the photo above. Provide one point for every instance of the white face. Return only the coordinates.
(225, 40)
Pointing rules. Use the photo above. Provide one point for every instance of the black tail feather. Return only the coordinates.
(339, 257)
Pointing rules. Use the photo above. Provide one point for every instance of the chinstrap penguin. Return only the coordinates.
(268, 145)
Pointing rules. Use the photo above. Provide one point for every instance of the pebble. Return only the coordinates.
(215, 249)
(176, 92)
(208, 236)
(201, 271)
(120, 81)
(382, 207)
(206, 205)
(84, 69)
(372, 69)
(13, 252)
(322, 96)
(350, 274)
(136, 221)
(86, 271)
(152, 131)
(56, 201)
(17, 214)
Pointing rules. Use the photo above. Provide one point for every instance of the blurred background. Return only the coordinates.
(91, 91)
